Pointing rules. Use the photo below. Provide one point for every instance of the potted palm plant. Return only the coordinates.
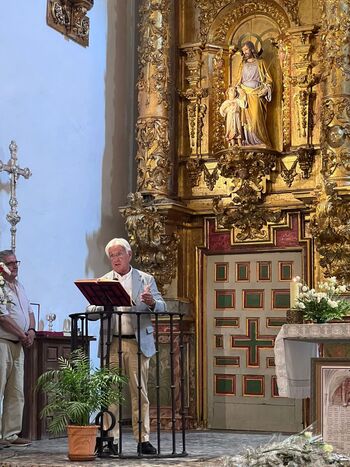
(74, 392)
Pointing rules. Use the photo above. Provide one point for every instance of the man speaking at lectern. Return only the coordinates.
(145, 296)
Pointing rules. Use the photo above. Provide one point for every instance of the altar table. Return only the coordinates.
(295, 345)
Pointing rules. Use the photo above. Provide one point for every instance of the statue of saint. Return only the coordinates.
(254, 89)
(230, 109)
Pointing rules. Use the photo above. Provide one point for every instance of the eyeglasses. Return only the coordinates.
(117, 255)
(13, 263)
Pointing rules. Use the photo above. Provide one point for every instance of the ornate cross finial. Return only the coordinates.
(14, 172)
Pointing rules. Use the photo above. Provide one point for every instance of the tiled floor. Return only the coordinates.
(204, 448)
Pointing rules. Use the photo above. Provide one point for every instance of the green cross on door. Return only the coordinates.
(253, 342)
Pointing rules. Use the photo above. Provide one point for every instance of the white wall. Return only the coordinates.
(68, 108)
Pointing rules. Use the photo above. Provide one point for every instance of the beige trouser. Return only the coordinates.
(11, 388)
(130, 369)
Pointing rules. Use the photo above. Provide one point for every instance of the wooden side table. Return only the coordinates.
(42, 356)
(47, 348)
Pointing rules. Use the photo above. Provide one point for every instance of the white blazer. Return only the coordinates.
(139, 281)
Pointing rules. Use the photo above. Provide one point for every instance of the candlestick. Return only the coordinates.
(294, 292)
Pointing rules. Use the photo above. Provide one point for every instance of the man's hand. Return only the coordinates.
(30, 337)
(147, 297)
(24, 340)
(27, 339)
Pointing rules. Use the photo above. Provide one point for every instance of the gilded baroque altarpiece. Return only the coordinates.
(200, 191)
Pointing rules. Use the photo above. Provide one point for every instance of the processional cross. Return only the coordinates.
(14, 171)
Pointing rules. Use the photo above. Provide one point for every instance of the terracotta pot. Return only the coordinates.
(81, 442)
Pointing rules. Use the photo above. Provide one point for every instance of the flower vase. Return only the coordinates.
(294, 316)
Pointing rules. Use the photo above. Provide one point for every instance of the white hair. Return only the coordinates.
(118, 241)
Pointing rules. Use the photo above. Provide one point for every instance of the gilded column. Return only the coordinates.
(330, 223)
(335, 141)
(153, 240)
(152, 128)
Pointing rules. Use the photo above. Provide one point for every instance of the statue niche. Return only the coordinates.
(252, 108)
(245, 110)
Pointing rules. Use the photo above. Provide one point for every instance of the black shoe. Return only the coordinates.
(20, 442)
(111, 448)
(4, 443)
(146, 448)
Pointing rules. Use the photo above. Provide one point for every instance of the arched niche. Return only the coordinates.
(261, 29)
(262, 23)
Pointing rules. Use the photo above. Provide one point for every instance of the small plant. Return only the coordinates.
(323, 304)
(76, 390)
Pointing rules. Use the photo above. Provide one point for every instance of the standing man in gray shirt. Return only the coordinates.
(17, 330)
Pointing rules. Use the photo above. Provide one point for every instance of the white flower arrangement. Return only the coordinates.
(5, 297)
(323, 304)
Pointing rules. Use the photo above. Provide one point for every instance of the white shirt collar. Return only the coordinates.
(124, 277)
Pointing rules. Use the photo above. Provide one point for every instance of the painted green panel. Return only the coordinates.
(286, 272)
(278, 322)
(270, 362)
(223, 361)
(264, 272)
(253, 300)
(224, 301)
(242, 272)
(224, 386)
(281, 300)
(226, 321)
(221, 272)
(254, 387)
(219, 341)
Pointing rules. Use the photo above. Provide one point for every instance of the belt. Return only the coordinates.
(9, 340)
(125, 336)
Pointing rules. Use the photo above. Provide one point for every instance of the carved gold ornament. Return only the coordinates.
(335, 141)
(218, 84)
(196, 109)
(69, 18)
(219, 30)
(249, 221)
(195, 167)
(330, 227)
(153, 165)
(336, 38)
(209, 10)
(283, 44)
(305, 158)
(152, 127)
(153, 248)
(289, 174)
(247, 172)
(153, 54)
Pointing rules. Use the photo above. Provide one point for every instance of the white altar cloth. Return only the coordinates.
(295, 345)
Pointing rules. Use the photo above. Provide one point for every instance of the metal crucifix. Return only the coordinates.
(14, 171)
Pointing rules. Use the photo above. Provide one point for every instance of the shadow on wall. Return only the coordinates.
(118, 177)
